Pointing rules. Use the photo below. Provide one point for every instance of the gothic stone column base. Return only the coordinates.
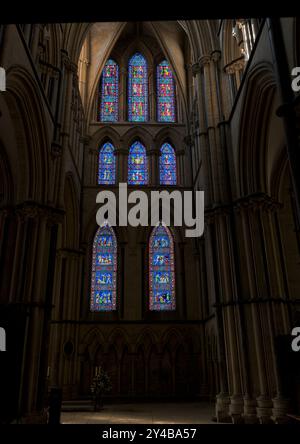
(236, 408)
(264, 410)
(222, 408)
(280, 410)
(250, 416)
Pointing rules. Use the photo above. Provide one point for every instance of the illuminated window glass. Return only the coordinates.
(161, 269)
(104, 270)
(137, 89)
(137, 165)
(107, 165)
(109, 92)
(165, 93)
(167, 165)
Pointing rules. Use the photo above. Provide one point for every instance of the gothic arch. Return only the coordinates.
(32, 138)
(171, 135)
(91, 228)
(173, 337)
(146, 339)
(111, 39)
(91, 341)
(255, 156)
(119, 338)
(105, 134)
(137, 133)
(141, 47)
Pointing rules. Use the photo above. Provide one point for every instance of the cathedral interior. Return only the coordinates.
(190, 105)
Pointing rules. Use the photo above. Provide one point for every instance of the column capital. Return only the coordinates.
(216, 55)
(85, 139)
(196, 68)
(119, 151)
(204, 60)
(153, 152)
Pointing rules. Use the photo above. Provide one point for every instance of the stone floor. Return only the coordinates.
(145, 413)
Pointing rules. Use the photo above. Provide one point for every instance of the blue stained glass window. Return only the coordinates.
(161, 269)
(137, 165)
(104, 270)
(107, 165)
(109, 92)
(165, 93)
(137, 89)
(167, 165)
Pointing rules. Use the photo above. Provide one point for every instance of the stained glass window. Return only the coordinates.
(104, 270)
(109, 92)
(137, 89)
(137, 164)
(165, 93)
(161, 269)
(167, 165)
(107, 165)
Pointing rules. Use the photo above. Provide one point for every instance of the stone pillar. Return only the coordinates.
(202, 134)
(152, 95)
(222, 398)
(123, 95)
(18, 256)
(153, 165)
(180, 170)
(121, 164)
(211, 119)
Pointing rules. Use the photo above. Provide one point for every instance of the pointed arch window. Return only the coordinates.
(109, 108)
(165, 93)
(161, 269)
(137, 89)
(137, 164)
(107, 165)
(104, 270)
(167, 165)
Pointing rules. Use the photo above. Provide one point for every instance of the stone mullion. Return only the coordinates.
(121, 165)
(153, 165)
(122, 95)
(151, 103)
(180, 156)
(95, 168)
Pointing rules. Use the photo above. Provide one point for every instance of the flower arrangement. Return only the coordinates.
(100, 385)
